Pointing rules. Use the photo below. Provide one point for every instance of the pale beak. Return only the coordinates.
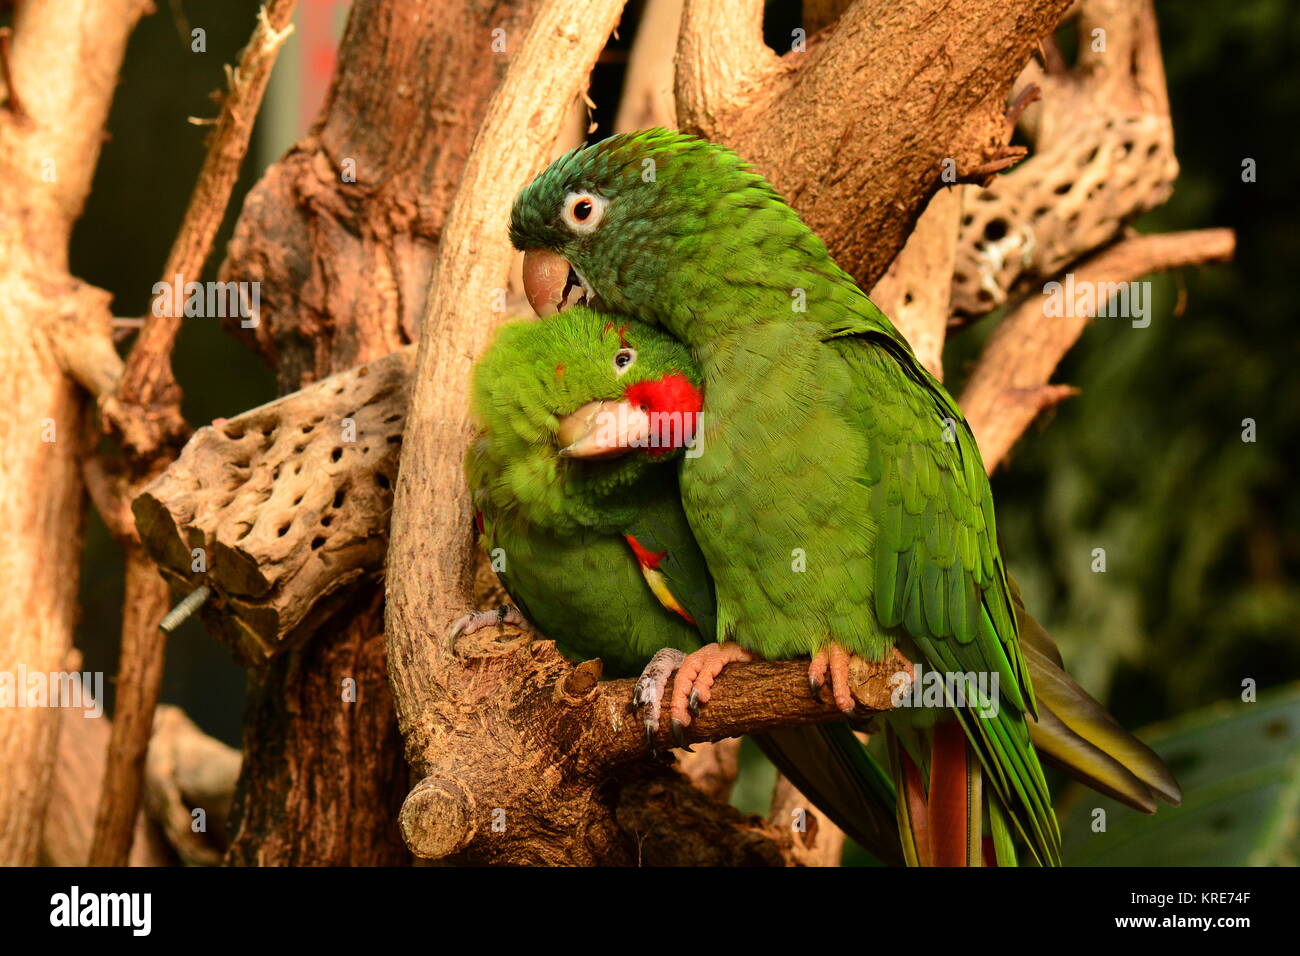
(551, 284)
(603, 430)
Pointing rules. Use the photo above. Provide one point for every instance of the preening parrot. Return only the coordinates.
(574, 483)
(840, 501)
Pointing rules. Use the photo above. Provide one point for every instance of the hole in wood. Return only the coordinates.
(995, 230)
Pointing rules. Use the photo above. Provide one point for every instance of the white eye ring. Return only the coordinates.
(629, 357)
(574, 205)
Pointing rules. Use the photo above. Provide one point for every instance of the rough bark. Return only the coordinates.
(58, 84)
(341, 234)
(559, 772)
(855, 131)
(1103, 153)
(344, 265)
(286, 505)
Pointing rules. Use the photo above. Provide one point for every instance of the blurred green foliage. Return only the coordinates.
(1239, 765)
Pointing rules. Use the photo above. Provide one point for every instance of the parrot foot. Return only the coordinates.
(694, 682)
(478, 620)
(832, 660)
(650, 687)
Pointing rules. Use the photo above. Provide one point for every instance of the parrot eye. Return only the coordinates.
(582, 211)
(623, 360)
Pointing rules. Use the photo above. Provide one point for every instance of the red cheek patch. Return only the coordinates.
(674, 406)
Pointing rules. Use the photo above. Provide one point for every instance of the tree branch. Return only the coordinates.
(1008, 387)
(1103, 154)
(430, 559)
(887, 94)
(62, 63)
(144, 413)
(144, 410)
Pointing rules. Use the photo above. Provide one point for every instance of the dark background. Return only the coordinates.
(1147, 462)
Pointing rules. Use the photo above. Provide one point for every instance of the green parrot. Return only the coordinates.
(573, 478)
(840, 501)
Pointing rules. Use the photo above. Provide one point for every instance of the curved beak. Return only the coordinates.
(551, 284)
(603, 430)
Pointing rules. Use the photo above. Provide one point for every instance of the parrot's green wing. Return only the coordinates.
(670, 560)
(938, 572)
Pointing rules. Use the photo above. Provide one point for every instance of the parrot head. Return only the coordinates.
(653, 224)
(584, 403)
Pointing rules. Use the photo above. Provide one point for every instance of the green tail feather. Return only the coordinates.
(1077, 735)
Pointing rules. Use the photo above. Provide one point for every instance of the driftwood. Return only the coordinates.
(282, 509)
(1103, 153)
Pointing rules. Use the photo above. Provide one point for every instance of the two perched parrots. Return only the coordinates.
(573, 479)
(840, 503)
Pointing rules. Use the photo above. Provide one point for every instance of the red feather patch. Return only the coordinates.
(644, 557)
(621, 330)
(674, 406)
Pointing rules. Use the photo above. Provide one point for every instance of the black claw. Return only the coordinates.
(815, 686)
(650, 740)
(678, 737)
(693, 704)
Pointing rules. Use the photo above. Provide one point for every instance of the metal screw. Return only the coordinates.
(184, 609)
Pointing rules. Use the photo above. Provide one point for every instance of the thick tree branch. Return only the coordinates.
(577, 739)
(430, 559)
(61, 65)
(855, 131)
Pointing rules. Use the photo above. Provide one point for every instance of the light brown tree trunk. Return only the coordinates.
(62, 62)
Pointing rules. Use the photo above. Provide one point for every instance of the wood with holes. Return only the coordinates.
(286, 507)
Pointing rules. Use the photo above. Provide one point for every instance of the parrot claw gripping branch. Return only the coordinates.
(521, 756)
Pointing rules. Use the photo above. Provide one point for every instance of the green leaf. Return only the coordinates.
(1239, 766)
